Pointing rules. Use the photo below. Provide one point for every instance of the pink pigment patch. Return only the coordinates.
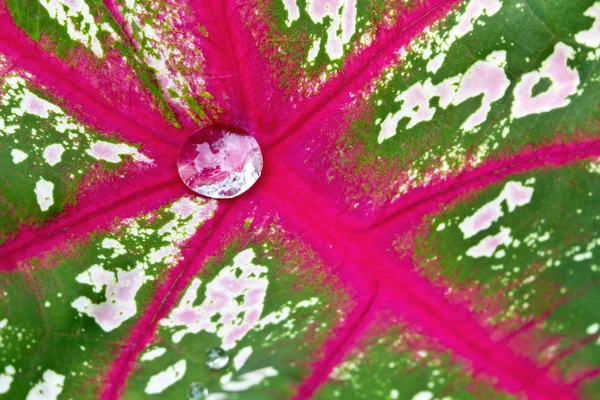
(445, 91)
(105, 315)
(53, 154)
(591, 37)
(565, 81)
(321, 8)
(252, 317)
(485, 78)
(124, 293)
(486, 217)
(234, 318)
(349, 16)
(75, 5)
(232, 284)
(517, 195)
(415, 98)
(101, 277)
(514, 193)
(104, 151)
(36, 106)
(254, 297)
(236, 334)
(474, 10)
(188, 316)
(183, 208)
(488, 245)
(218, 300)
(482, 219)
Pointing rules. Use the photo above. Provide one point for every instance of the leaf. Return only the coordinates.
(425, 226)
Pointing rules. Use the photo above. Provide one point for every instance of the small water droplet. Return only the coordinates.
(217, 358)
(220, 161)
(197, 391)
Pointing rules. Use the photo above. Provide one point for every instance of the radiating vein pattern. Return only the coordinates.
(425, 226)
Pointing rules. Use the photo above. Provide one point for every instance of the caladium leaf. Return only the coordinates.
(425, 227)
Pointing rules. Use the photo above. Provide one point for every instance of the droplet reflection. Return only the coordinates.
(197, 391)
(220, 161)
(217, 358)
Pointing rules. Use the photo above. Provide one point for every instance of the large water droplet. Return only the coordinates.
(220, 161)
(197, 391)
(217, 358)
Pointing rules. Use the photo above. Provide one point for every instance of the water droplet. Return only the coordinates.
(220, 161)
(197, 391)
(217, 358)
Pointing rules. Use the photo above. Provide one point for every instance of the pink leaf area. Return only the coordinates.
(421, 221)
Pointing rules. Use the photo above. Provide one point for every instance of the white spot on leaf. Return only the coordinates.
(159, 382)
(487, 78)
(32, 104)
(415, 105)
(18, 155)
(49, 388)
(112, 152)
(423, 396)
(43, 191)
(114, 244)
(220, 312)
(593, 329)
(6, 379)
(484, 77)
(292, 9)
(515, 194)
(475, 9)
(314, 50)
(153, 353)
(488, 245)
(241, 357)
(436, 63)
(76, 17)
(591, 37)
(121, 289)
(53, 153)
(565, 81)
(249, 379)
(342, 17)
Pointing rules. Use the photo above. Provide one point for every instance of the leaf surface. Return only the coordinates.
(425, 226)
